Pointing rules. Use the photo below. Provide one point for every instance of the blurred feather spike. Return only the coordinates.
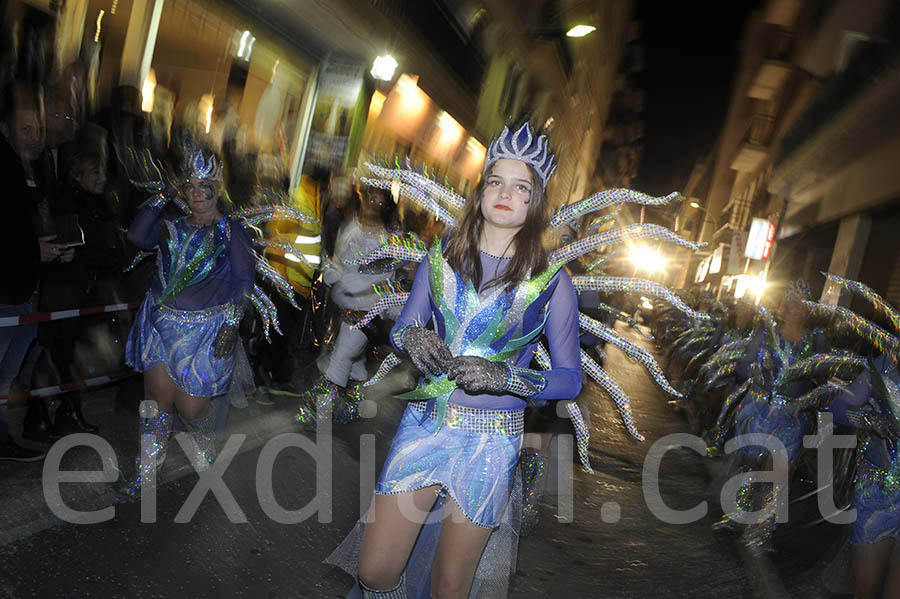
(388, 287)
(582, 433)
(763, 314)
(869, 295)
(879, 338)
(386, 366)
(258, 214)
(138, 257)
(727, 353)
(725, 420)
(381, 304)
(279, 283)
(619, 235)
(820, 397)
(639, 355)
(543, 357)
(642, 286)
(723, 371)
(599, 221)
(266, 310)
(605, 199)
(423, 181)
(398, 247)
(612, 388)
(828, 365)
(417, 195)
(599, 262)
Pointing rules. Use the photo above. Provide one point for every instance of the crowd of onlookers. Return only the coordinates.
(63, 244)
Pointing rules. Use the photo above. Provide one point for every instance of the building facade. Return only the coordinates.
(804, 158)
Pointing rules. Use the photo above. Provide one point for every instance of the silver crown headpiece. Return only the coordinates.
(200, 165)
(798, 291)
(522, 145)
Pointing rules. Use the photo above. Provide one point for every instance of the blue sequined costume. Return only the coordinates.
(774, 413)
(876, 496)
(477, 468)
(204, 276)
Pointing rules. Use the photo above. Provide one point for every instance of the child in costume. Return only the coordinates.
(480, 304)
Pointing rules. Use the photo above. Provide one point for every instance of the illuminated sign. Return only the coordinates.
(760, 239)
(702, 270)
(715, 262)
(770, 239)
(735, 257)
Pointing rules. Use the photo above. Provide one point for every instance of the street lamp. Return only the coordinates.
(383, 67)
(580, 30)
(709, 217)
(646, 258)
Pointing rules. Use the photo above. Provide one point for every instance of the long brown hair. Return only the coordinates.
(462, 251)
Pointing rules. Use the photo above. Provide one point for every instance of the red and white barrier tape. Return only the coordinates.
(11, 321)
(73, 386)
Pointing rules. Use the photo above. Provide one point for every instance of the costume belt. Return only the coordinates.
(190, 316)
(476, 420)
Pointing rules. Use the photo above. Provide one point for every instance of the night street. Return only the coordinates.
(221, 217)
(211, 557)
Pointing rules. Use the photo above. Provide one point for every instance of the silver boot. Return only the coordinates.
(155, 427)
(398, 592)
(203, 432)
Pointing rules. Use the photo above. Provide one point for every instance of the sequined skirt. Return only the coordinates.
(182, 340)
(758, 416)
(473, 456)
(876, 499)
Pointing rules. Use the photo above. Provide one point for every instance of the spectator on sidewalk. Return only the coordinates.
(21, 251)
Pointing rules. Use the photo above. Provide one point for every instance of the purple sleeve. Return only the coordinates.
(563, 380)
(144, 229)
(417, 310)
(242, 265)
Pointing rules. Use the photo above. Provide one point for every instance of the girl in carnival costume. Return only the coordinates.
(186, 331)
(491, 292)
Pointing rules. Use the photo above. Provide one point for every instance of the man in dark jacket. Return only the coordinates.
(21, 251)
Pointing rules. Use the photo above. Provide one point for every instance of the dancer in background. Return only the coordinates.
(343, 365)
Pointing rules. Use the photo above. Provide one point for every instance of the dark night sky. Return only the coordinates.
(691, 57)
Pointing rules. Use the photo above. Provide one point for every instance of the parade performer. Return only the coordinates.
(870, 405)
(492, 294)
(352, 292)
(778, 369)
(186, 331)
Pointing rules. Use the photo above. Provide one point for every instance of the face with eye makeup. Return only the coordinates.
(507, 192)
(201, 196)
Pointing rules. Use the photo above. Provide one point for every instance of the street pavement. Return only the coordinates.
(607, 545)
